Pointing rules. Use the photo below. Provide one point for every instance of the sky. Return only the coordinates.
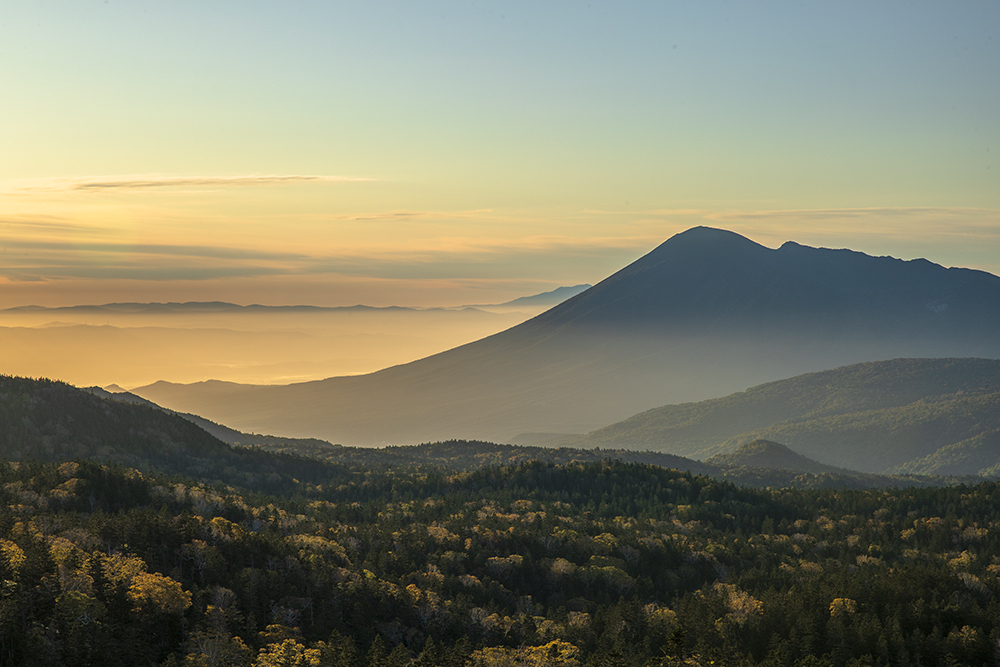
(441, 153)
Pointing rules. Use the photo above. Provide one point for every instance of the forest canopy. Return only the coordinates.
(605, 563)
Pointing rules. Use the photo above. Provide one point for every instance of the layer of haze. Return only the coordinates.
(445, 153)
(132, 345)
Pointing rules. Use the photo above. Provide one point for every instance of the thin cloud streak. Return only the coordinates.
(800, 215)
(211, 252)
(476, 214)
(454, 258)
(806, 214)
(36, 224)
(141, 183)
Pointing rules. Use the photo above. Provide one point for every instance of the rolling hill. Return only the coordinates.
(767, 454)
(923, 416)
(705, 314)
(46, 421)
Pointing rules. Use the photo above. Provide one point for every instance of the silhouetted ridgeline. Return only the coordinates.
(705, 314)
(51, 421)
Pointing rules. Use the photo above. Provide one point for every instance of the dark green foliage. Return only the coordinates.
(628, 563)
(270, 558)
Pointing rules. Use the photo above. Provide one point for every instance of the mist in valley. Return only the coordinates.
(136, 344)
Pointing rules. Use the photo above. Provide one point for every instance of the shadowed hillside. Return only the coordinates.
(889, 416)
(705, 314)
(43, 420)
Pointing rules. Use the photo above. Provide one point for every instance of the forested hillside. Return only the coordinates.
(537, 564)
(129, 536)
(879, 417)
(51, 421)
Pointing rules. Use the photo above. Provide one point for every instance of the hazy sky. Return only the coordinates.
(470, 152)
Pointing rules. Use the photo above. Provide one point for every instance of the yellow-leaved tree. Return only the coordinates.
(152, 592)
(288, 653)
(557, 653)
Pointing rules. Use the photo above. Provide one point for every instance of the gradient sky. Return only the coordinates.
(442, 153)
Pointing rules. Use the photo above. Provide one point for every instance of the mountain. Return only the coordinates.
(550, 298)
(706, 313)
(914, 416)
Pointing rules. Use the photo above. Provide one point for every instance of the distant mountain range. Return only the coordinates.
(549, 298)
(706, 313)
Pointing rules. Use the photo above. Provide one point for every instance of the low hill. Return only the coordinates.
(874, 417)
(767, 454)
(706, 313)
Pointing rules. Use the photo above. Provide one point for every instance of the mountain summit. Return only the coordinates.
(707, 277)
(706, 313)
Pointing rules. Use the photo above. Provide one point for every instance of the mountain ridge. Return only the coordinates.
(706, 313)
(879, 417)
(44, 420)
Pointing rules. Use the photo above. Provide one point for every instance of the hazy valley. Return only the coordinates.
(132, 344)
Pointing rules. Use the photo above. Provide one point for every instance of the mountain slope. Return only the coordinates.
(52, 421)
(706, 313)
(873, 417)
(980, 453)
(227, 435)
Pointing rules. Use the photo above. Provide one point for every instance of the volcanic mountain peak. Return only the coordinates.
(706, 313)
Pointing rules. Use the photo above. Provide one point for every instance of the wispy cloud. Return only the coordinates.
(442, 252)
(157, 249)
(802, 215)
(476, 214)
(46, 225)
(138, 183)
(453, 258)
